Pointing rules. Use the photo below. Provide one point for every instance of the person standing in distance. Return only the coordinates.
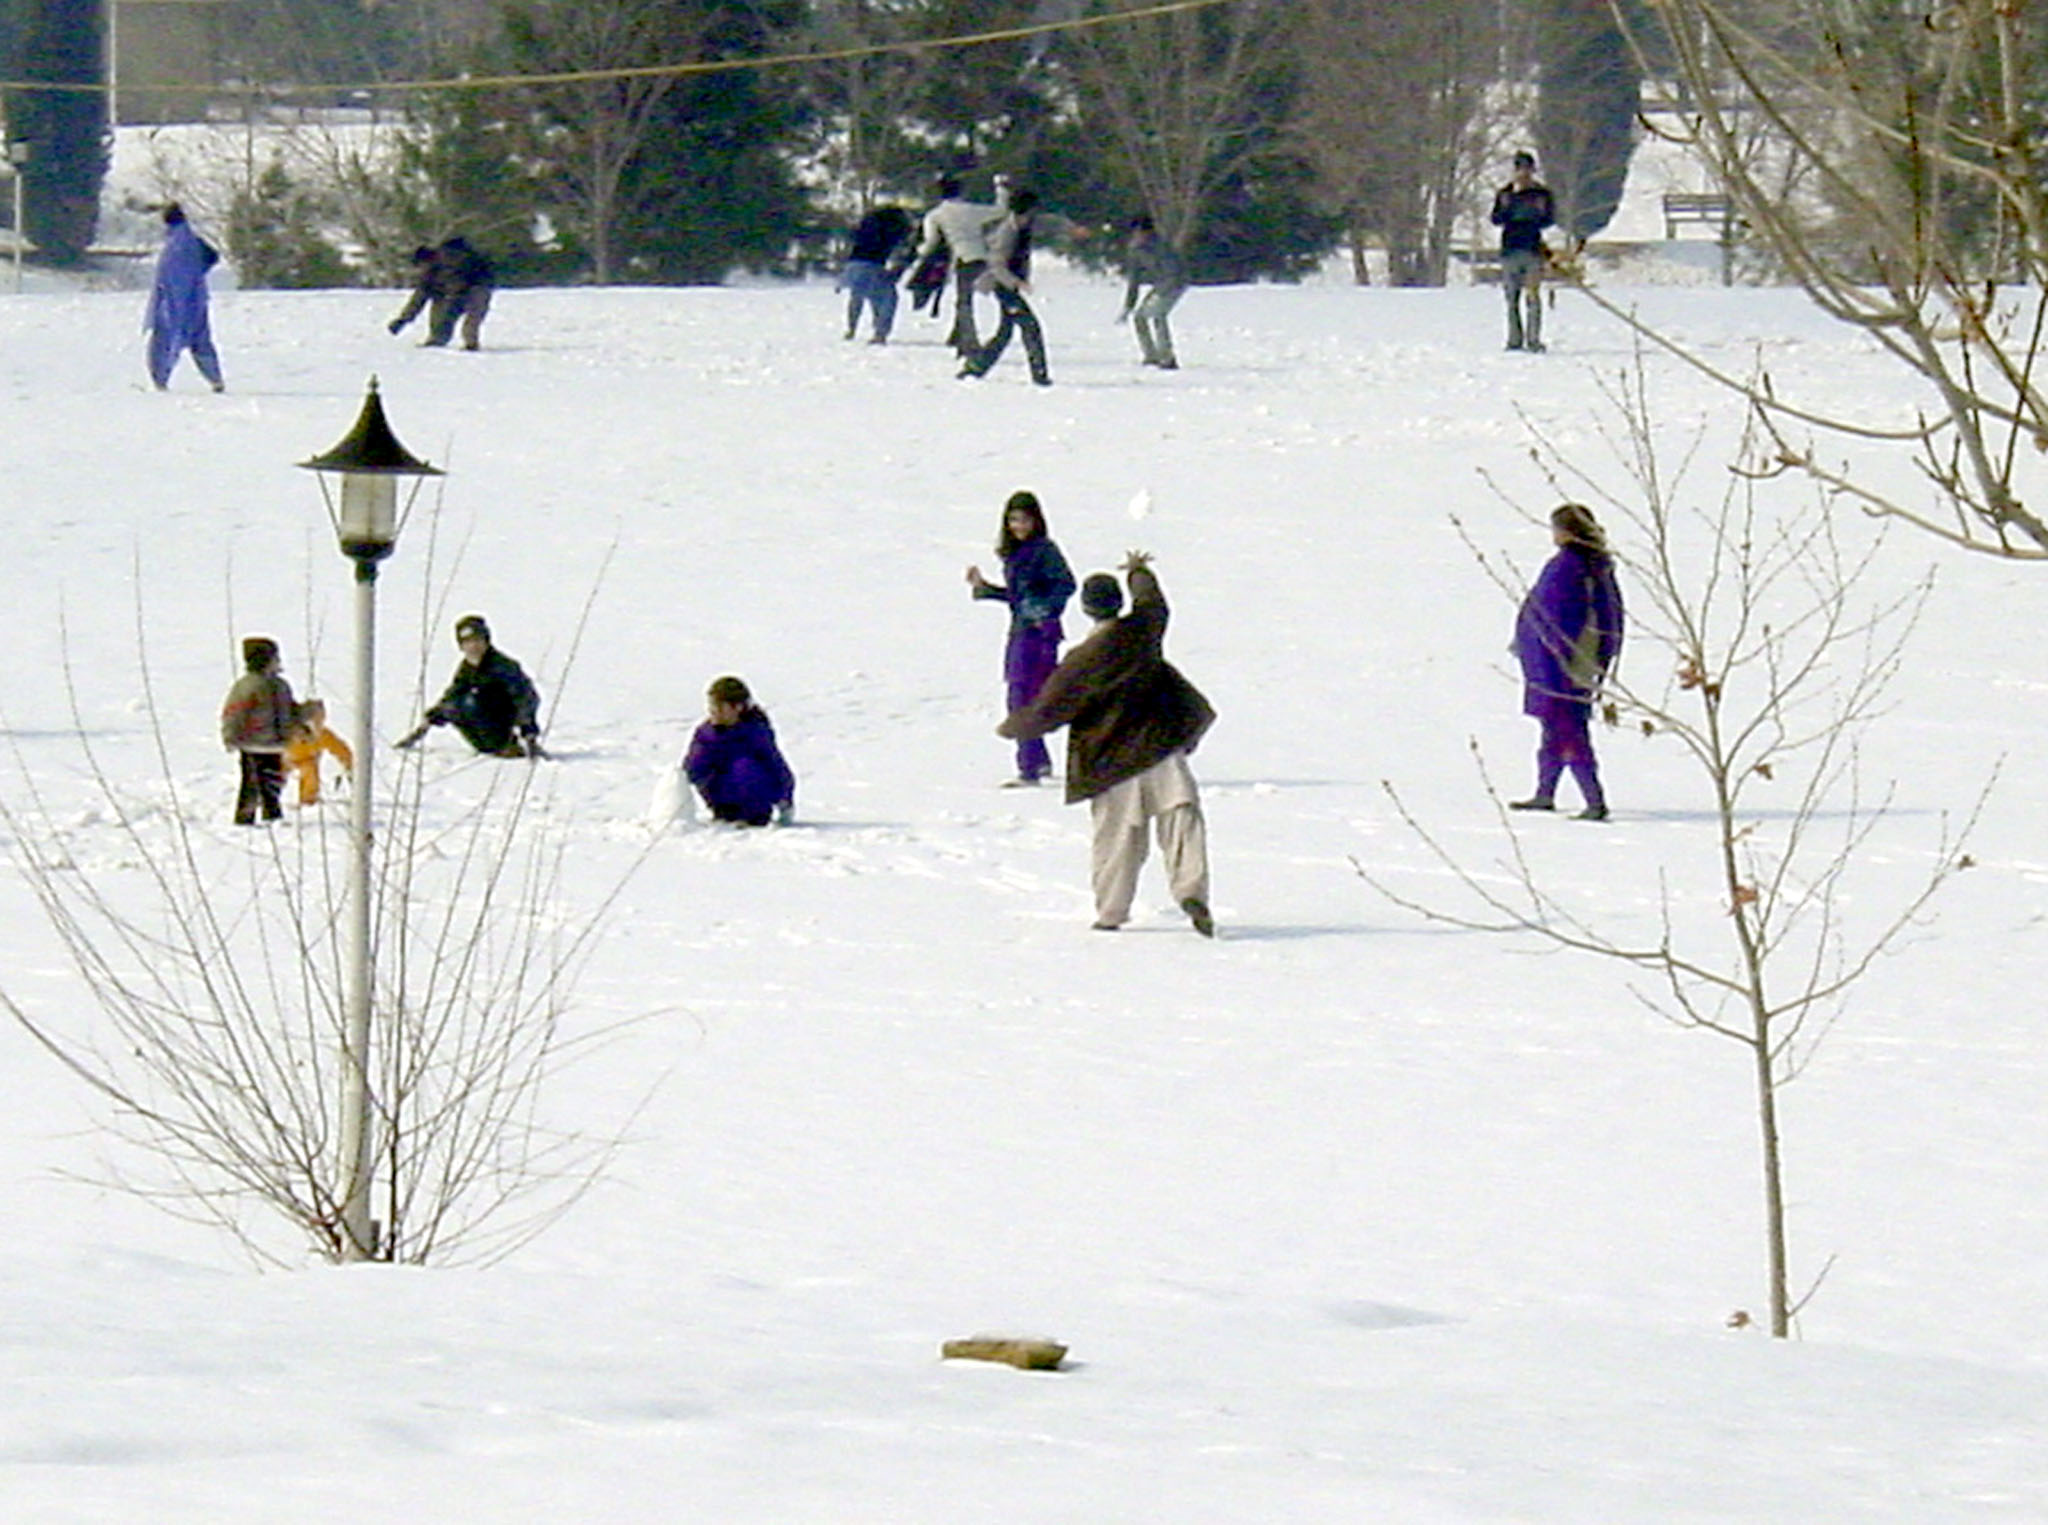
(1567, 636)
(1132, 721)
(1522, 209)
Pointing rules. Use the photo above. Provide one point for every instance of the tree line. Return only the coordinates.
(1259, 134)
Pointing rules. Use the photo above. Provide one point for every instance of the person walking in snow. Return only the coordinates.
(177, 319)
(257, 721)
(960, 228)
(1153, 268)
(454, 282)
(1008, 276)
(1036, 585)
(490, 700)
(872, 268)
(1567, 637)
(734, 763)
(1522, 209)
(1132, 720)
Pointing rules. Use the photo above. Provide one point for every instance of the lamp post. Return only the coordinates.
(369, 462)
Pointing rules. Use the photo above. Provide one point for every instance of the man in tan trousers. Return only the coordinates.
(1132, 721)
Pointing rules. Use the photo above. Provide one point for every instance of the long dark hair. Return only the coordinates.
(1007, 543)
(1576, 523)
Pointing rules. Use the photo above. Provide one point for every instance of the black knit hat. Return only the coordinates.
(1102, 596)
(472, 625)
(258, 652)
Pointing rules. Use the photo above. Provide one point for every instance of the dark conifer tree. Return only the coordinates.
(60, 42)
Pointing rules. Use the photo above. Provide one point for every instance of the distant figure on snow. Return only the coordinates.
(1566, 638)
(1152, 268)
(873, 264)
(310, 741)
(1133, 720)
(490, 700)
(452, 281)
(734, 763)
(1036, 585)
(1522, 209)
(960, 227)
(1008, 275)
(177, 319)
(257, 721)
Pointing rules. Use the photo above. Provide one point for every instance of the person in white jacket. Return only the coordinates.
(961, 226)
(1008, 276)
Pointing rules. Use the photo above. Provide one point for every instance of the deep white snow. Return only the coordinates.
(1345, 1217)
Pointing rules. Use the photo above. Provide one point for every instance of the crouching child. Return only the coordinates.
(311, 739)
(733, 762)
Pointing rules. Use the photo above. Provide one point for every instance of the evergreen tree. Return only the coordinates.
(1586, 112)
(64, 131)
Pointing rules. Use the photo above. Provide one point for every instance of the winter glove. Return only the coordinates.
(396, 325)
(411, 738)
(783, 812)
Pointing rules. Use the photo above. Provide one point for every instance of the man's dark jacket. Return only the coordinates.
(1126, 706)
(490, 703)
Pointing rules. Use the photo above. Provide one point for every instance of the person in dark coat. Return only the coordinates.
(1036, 585)
(1008, 276)
(177, 320)
(454, 282)
(872, 268)
(490, 700)
(734, 763)
(1567, 637)
(1132, 720)
(258, 720)
(1151, 267)
(1522, 209)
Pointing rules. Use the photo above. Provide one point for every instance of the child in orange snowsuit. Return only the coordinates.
(308, 740)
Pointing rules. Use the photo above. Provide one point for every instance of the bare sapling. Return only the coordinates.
(1761, 652)
(1887, 160)
(214, 961)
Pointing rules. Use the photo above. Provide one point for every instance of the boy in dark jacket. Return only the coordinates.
(257, 721)
(1132, 720)
(734, 762)
(490, 699)
(1522, 209)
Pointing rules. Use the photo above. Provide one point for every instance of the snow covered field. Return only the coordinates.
(1344, 1217)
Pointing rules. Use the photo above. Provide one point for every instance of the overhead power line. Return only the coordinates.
(641, 71)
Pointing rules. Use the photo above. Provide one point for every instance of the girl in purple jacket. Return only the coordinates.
(734, 762)
(1036, 585)
(1567, 637)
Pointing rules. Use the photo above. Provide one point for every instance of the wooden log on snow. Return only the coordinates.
(1024, 1353)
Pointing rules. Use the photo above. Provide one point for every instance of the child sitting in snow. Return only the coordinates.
(734, 763)
(309, 738)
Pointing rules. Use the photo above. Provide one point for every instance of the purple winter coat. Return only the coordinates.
(177, 303)
(1568, 632)
(739, 770)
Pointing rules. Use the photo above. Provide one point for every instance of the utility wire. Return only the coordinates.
(642, 71)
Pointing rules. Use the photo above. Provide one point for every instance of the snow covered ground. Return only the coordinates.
(1344, 1217)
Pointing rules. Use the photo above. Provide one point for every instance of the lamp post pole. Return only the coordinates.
(369, 462)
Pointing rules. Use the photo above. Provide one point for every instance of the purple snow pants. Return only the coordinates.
(1030, 656)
